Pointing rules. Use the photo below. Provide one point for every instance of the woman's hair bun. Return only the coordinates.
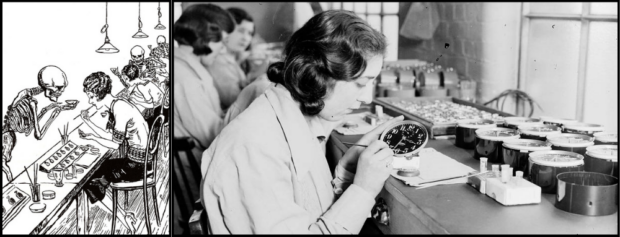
(275, 72)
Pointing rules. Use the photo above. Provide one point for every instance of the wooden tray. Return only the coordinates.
(435, 129)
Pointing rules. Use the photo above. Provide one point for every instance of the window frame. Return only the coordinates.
(381, 15)
(585, 18)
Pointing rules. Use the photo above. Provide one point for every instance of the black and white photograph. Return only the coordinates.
(395, 118)
(85, 129)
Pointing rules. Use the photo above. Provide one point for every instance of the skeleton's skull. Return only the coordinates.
(161, 39)
(54, 81)
(137, 54)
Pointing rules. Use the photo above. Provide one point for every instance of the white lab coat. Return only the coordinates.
(197, 111)
(266, 173)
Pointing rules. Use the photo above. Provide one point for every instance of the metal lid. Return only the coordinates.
(584, 127)
(606, 137)
(497, 134)
(570, 140)
(527, 144)
(607, 152)
(476, 123)
(540, 129)
(556, 158)
(521, 121)
(557, 120)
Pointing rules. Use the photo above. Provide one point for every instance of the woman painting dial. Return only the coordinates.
(266, 171)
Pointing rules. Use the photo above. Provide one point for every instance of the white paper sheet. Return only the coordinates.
(433, 165)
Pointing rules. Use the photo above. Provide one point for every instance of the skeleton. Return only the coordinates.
(161, 51)
(147, 66)
(22, 114)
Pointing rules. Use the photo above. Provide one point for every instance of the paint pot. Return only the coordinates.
(602, 159)
(489, 142)
(587, 193)
(605, 138)
(466, 131)
(400, 91)
(583, 128)
(516, 152)
(544, 166)
(515, 122)
(37, 207)
(570, 142)
(556, 121)
(48, 195)
(539, 131)
(383, 87)
(433, 91)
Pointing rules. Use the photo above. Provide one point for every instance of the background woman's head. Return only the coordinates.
(97, 86)
(335, 51)
(204, 27)
(239, 40)
(130, 74)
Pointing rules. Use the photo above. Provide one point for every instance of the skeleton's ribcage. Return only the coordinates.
(20, 118)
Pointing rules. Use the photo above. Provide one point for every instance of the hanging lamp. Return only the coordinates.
(140, 34)
(159, 26)
(107, 47)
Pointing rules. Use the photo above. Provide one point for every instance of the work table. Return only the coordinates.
(461, 209)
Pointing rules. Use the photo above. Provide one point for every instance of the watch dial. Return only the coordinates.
(405, 138)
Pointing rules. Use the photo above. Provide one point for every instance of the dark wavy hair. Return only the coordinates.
(332, 46)
(99, 84)
(131, 71)
(200, 24)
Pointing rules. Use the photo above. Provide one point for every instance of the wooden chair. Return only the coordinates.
(186, 179)
(146, 183)
(199, 221)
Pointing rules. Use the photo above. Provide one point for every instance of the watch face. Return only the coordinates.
(405, 137)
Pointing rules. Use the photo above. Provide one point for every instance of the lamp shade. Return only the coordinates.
(107, 47)
(159, 26)
(140, 34)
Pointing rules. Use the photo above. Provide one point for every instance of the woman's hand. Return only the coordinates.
(87, 136)
(84, 115)
(374, 167)
(350, 158)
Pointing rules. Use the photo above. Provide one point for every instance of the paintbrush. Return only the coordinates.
(26, 169)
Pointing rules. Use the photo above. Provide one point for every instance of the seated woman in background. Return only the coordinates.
(126, 131)
(143, 93)
(266, 171)
(229, 77)
(200, 32)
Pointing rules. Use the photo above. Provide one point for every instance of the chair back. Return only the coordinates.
(152, 146)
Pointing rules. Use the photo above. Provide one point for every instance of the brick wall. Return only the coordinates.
(483, 43)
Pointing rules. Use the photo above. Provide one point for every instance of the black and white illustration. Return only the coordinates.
(85, 129)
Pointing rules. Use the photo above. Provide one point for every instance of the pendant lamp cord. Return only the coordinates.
(139, 20)
(158, 12)
(106, 20)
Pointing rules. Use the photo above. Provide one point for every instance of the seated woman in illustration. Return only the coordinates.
(126, 131)
(142, 93)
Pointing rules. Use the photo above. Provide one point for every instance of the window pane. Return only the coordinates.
(390, 7)
(363, 16)
(560, 7)
(360, 7)
(551, 66)
(604, 8)
(324, 6)
(390, 30)
(347, 6)
(374, 21)
(336, 5)
(374, 7)
(601, 98)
